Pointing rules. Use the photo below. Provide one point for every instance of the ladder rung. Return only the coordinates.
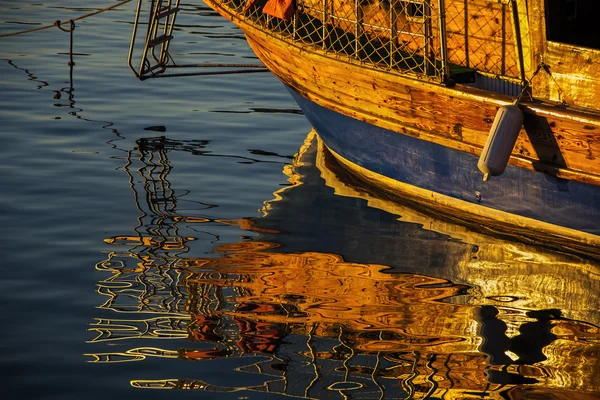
(159, 40)
(154, 67)
(166, 12)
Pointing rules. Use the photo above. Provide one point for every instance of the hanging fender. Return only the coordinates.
(501, 140)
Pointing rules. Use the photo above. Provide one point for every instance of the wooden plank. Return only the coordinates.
(575, 89)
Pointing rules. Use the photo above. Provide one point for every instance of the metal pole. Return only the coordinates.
(503, 58)
(443, 42)
(163, 46)
(296, 21)
(148, 35)
(515, 13)
(393, 33)
(427, 37)
(325, 17)
(357, 28)
(171, 20)
(133, 34)
(467, 64)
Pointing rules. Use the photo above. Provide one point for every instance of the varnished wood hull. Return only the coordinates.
(528, 203)
(422, 140)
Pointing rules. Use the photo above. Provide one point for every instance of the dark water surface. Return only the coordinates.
(186, 234)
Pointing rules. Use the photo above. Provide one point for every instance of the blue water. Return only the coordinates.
(88, 171)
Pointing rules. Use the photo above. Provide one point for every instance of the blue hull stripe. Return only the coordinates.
(454, 173)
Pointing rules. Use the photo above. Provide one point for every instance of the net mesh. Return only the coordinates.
(387, 34)
(399, 35)
(480, 35)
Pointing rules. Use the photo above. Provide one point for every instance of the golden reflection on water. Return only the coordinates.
(503, 320)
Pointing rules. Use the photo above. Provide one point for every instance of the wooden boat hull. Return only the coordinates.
(531, 202)
(422, 140)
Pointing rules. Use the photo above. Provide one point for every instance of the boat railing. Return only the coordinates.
(489, 36)
(429, 39)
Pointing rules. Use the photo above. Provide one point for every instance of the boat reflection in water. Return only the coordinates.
(343, 293)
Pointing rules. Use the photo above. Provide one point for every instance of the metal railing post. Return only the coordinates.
(296, 20)
(466, 26)
(393, 32)
(357, 28)
(133, 35)
(517, 24)
(427, 29)
(443, 41)
(325, 23)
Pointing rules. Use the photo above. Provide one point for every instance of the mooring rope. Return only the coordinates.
(58, 23)
(546, 68)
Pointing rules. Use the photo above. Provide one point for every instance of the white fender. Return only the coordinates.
(501, 140)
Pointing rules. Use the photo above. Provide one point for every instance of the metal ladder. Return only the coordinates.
(155, 54)
(155, 58)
